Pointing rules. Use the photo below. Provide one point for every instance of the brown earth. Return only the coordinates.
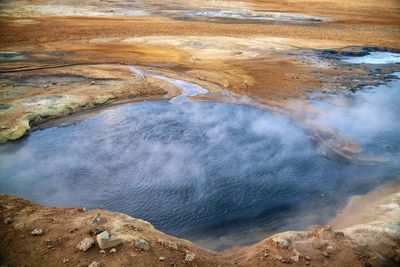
(63, 65)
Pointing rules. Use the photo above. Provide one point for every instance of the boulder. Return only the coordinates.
(85, 244)
(106, 240)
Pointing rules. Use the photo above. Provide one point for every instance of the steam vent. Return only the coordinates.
(230, 133)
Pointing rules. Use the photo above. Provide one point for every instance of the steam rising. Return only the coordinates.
(198, 170)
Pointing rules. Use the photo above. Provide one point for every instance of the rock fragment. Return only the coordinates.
(95, 264)
(161, 259)
(189, 257)
(295, 258)
(106, 240)
(168, 244)
(113, 250)
(65, 261)
(282, 242)
(7, 221)
(142, 244)
(96, 219)
(37, 232)
(85, 244)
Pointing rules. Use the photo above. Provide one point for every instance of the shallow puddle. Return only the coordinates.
(221, 175)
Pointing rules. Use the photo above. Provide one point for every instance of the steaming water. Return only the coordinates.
(375, 58)
(218, 174)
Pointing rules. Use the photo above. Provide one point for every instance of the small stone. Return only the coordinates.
(7, 221)
(281, 242)
(295, 258)
(102, 251)
(85, 244)
(168, 244)
(65, 261)
(84, 209)
(96, 219)
(113, 250)
(190, 257)
(37, 232)
(95, 264)
(266, 254)
(106, 240)
(92, 82)
(278, 257)
(136, 227)
(142, 244)
(307, 258)
(325, 254)
(161, 259)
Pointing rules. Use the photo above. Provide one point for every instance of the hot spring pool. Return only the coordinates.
(219, 174)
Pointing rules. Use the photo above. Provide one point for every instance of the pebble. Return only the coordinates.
(96, 219)
(65, 261)
(161, 259)
(307, 258)
(168, 244)
(295, 258)
(95, 264)
(37, 232)
(325, 254)
(190, 257)
(7, 221)
(102, 251)
(85, 244)
(113, 250)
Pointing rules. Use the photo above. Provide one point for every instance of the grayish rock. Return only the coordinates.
(142, 244)
(106, 240)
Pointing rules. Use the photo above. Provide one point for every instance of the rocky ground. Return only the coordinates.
(34, 235)
(58, 59)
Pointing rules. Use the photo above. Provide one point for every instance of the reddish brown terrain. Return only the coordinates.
(60, 58)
